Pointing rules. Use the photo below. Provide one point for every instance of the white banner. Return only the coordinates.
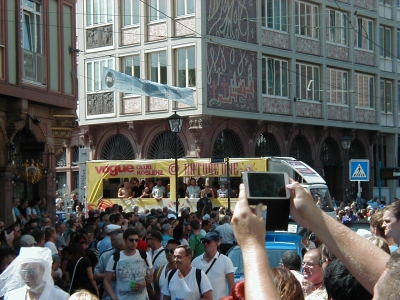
(120, 82)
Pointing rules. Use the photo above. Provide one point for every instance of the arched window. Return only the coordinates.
(163, 146)
(330, 152)
(301, 150)
(117, 147)
(228, 144)
(267, 145)
(357, 150)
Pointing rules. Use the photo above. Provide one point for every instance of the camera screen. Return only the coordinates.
(266, 185)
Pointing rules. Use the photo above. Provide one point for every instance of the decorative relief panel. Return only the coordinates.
(337, 52)
(275, 39)
(157, 104)
(101, 103)
(364, 57)
(231, 78)
(276, 106)
(99, 37)
(131, 36)
(338, 113)
(365, 116)
(234, 19)
(132, 105)
(368, 4)
(309, 110)
(157, 31)
(183, 105)
(185, 26)
(308, 46)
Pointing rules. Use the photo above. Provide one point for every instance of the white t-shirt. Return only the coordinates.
(129, 268)
(30, 211)
(195, 191)
(158, 191)
(52, 247)
(217, 274)
(161, 259)
(222, 193)
(186, 288)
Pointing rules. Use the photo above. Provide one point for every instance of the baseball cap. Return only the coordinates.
(112, 227)
(27, 241)
(206, 217)
(171, 216)
(211, 236)
(166, 227)
(347, 208)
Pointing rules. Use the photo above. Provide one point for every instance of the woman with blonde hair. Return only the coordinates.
(83, 295)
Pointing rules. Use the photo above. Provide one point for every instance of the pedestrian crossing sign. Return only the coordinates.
(359, 170)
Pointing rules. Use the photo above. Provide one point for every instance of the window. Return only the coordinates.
(34, 63)
(337, 86)
(398, 45)
(364, 90)
(385, 41)
(386, 96)
(306, 19)
(307, 82)
(184, 7)
(336, 27)
(274, 14)
(363, 33)
(99, 12)
(386, 2)
(157, 10)
(94, 71)
(131, 12)
(131, 65)
(32, 30)
(186, 72)
(275, 76)
(158, 67)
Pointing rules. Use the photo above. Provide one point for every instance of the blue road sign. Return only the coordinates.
(359, 170)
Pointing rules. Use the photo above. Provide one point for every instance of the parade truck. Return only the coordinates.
(103, 177)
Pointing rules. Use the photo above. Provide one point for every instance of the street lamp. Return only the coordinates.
(346, 143)
(175, 124)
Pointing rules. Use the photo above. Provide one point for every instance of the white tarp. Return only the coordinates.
(120, 82)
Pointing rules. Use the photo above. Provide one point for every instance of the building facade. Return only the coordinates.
(282, 78)
(38, 91)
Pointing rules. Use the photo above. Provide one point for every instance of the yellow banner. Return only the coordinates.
(99, 170)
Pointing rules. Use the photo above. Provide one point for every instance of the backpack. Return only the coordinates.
(198, 278)
(117, 255)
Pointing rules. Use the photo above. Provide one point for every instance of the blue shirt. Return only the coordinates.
(165, 239)
(104, 245)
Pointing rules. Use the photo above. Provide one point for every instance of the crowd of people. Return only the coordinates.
(157, 254)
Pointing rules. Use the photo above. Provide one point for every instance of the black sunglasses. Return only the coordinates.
(205, 241)
(169, 251)
(133, 240)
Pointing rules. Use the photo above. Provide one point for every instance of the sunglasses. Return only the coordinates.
(133, 240)
(170, 251)
(206, 242)
(29, 272)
